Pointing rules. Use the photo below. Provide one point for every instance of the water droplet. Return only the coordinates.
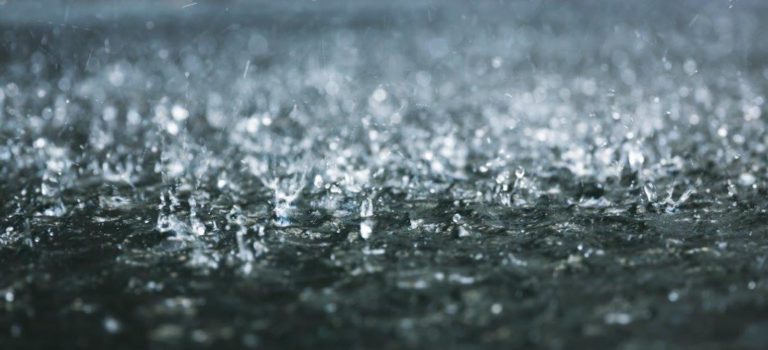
(722, 132)
(496, 62)
(635, 158)
(366, 208)
(179, 113)
(379, 95)
(111, 325)
(366, 228)
(619, 318)
(650, 192)
(746, 179)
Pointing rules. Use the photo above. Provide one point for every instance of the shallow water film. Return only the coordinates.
(383, 174)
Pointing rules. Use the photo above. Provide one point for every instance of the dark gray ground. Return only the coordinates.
(364, 174)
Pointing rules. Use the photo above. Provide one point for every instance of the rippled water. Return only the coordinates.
(353, 174)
